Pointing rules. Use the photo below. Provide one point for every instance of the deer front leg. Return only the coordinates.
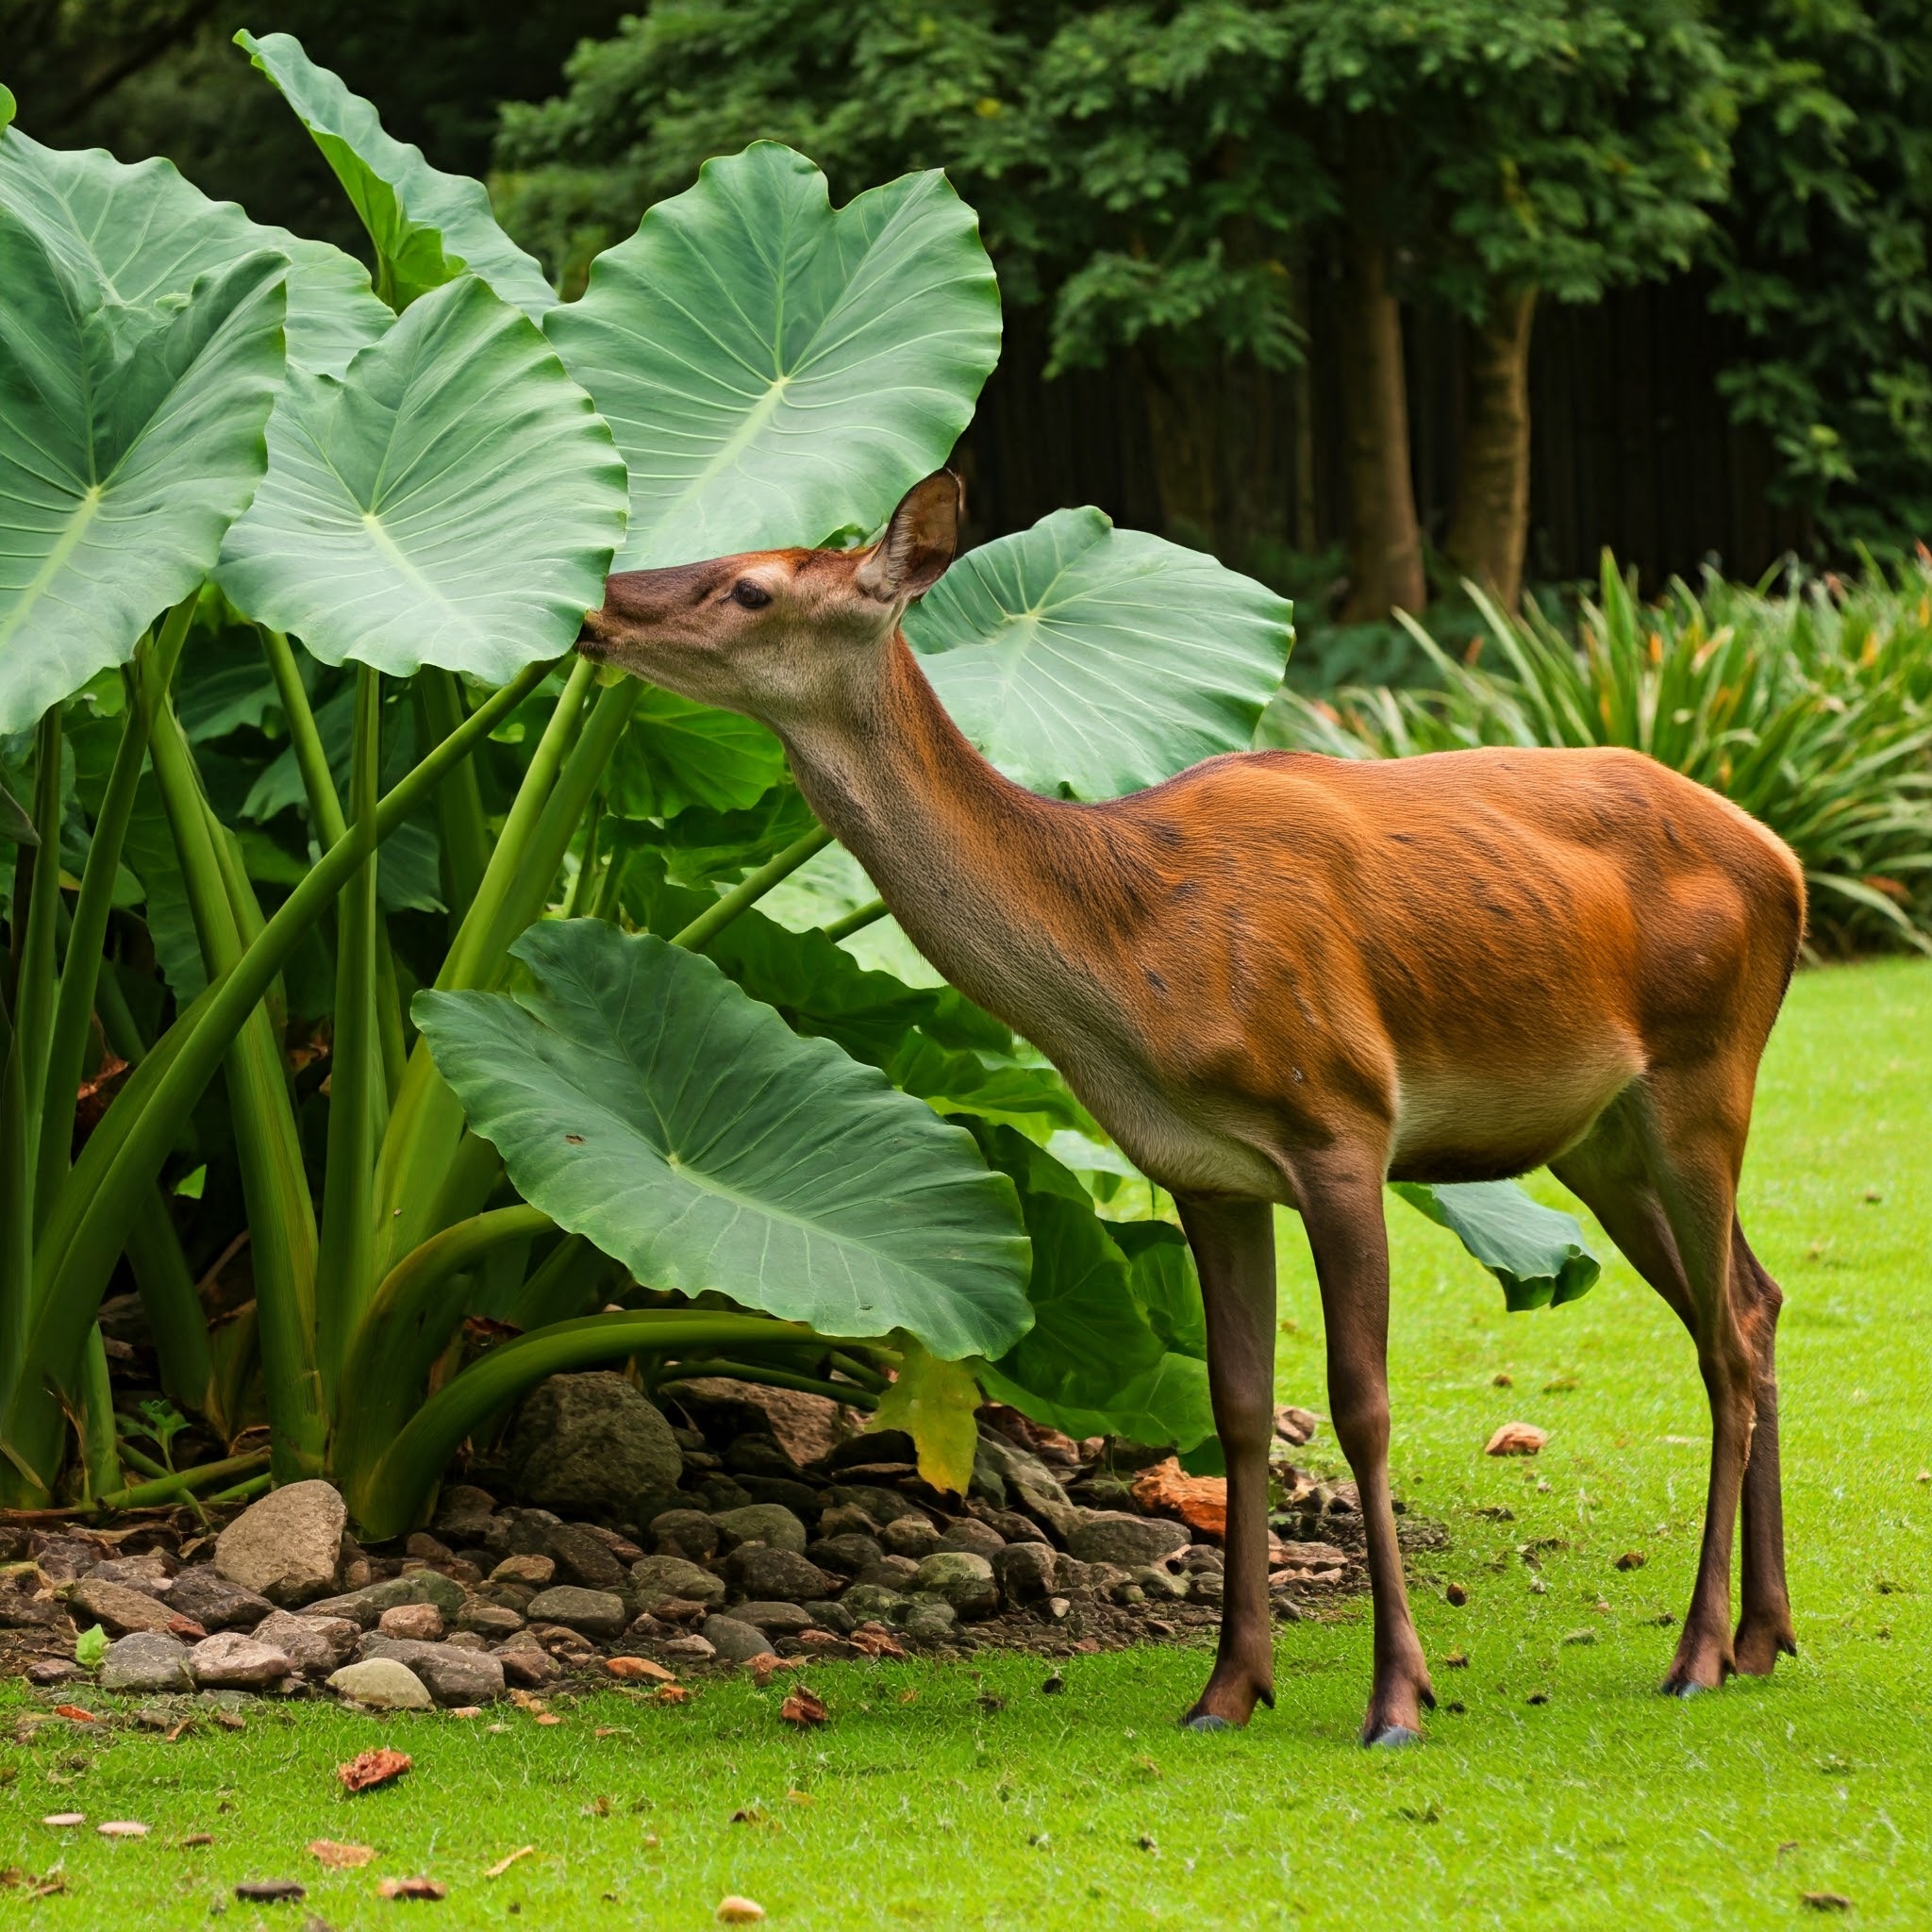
(1234, 1249)
(1342, 1211)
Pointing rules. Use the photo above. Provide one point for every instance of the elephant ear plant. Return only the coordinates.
(289, 568)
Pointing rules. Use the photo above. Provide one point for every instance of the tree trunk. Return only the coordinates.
(1384, 545)
(1183, 424)
(1490, 529)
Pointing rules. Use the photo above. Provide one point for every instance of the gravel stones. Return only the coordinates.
(760, 1570)
(382, 1683)
(314, 1645)
(453, 1676)
(589, 1445)
(148, 1661)
(968, 1534)
(657, 1580)
(963, 1579)
(583, 1559)
(764, 1523)
(485, 1618)
(418, 1622)
(873, 1602)
(1116, 1537)
(206, 1598)
(930, 1623)
(736, 1641)
(846, 1555)
(1026, 1572)
(590, 1613)
(463, 1512)
(230, 1661)
(364, 1607)
(536, 1571)
(287, 1545)
(116, 1607)
(909, 1535)
(688, 1533)
(774, 1619)
(1035, 1486)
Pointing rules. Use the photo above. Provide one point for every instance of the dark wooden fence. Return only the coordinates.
(1632, 447)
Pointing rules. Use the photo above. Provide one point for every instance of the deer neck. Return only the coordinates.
(972, 866)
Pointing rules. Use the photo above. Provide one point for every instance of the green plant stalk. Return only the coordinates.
(74, 1010)
(741, 897)
(84, 1234)
(182, 1482)
(173, 1309)
(410, 1467)
(358, 1095)
(561, 1285)
(281, 1216)
(460, 816)
(777, 1378)
(325, 809)
(408, 1326)
(244, 1492)
(100, 1450)
(857, 919)
(34, 988)
(426, 1123)
(16, 1213)
(574, 906)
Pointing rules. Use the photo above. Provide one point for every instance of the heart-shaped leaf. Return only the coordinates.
(129, 441)
(641, 1099)
(1536, 1253)
(1088, 661)
(676, 752)
(452, 500)
(428, 227)
(141, 233)
(776, 372)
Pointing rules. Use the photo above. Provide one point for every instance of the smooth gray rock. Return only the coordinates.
(583, 1559)
(968, 1533)
(688, 1533)
(315, 1646)
(590, 1445)
(835, 1617)
(382, 1683)
(847, 1554)
(910, 1536)
(734, 1641)
(117, 1607)
(591, 1612)
(489, 1620)
(287, 1545)
(1027, 1572)
(204, 1596)
(463, 1513)
(230, 1661)
(872, 1603)
(930, 1623)
(783, 1576)
(656, 1580)
(964, 1579)
(454, 1675)
(1031, 1485)
(149, 1661)
(762, 1523)
(152, 1570)
(365, 1606)
(1117, 1537)
(774, 1619)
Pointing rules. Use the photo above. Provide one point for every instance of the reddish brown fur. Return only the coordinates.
(1283, 978)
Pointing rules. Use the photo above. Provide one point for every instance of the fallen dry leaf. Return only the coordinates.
(875, 1640)
(1455, 1595)
(194, 1839)
(804, 1708)
(672, 1693)
(370, 1768)
(909, 1696)
(740, 1911)
(766, 1667)
(74, 1713)
(633, 1667)
(122, 1827)
(60, 1818)
(268, 1891)
(546, 1717)
(337, 1856)
(1631, 1559)
(1200, 1501)
(52, 1886)
(502, 1864)
(1517, 1438)
(1826, 1901)
(410, 1888)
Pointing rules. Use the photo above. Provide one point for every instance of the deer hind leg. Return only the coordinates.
(1234, 1249)
(1341, 1207)
(1764, 1627)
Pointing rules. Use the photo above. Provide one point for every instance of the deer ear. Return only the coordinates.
(919, 542)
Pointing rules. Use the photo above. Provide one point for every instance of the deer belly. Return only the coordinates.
(1471, 1123)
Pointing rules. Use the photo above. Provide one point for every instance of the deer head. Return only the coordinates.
(788, 637)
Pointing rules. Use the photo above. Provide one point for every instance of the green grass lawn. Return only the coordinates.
(923, 1804)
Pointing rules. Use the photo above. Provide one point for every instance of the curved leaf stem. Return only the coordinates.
(857, 919)
(741, 897)
(777, 1378)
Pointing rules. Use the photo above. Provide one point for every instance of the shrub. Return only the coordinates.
(1809, 705)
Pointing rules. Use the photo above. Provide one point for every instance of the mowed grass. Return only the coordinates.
(926, 1803)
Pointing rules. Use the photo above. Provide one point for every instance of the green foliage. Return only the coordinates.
(1811, 708)
(1533, 1251)
(1824, 257)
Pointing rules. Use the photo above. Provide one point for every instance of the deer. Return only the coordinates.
(1282, 979)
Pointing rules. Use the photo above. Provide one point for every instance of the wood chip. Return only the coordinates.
(122, 1827)
(804, 1708)
(370, 1768)
(1517, 1438)
(194, 1839)
(734, 1911)
(74, 1714)
(270, 1891)
(338, 1856)
(634, 1667)
(410, 1888)
(502, 1864)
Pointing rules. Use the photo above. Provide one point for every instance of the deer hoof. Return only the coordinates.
(1205, 1720)
(1685, 1687)
(1392, 1737)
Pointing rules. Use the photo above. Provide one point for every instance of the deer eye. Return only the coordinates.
(747, 593)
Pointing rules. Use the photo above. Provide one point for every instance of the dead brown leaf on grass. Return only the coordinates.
(410, 1888)
(875, 1640)
(766, 1667)
(338, 1856)
(370, 1768)
(502, 1864)
(74, 1714)
(804, 1708)
(634, 1667)
(17, 1879)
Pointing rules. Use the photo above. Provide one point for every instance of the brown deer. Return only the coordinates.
(1286, 978)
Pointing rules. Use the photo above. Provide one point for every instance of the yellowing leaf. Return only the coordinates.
(933, 1401)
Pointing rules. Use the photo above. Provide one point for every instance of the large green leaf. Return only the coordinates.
(141, 233)
(676, 753)
(1093, 1363)
(641, 1099)
(129, 441)
(776, 372)
(452, 500)
(1089, 661)
(1536, 1253)
(428, 227)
